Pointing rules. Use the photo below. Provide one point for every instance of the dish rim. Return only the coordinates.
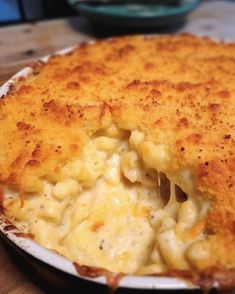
(56, 260)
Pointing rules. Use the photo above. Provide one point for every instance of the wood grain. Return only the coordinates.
(12, 280)
(22, 44)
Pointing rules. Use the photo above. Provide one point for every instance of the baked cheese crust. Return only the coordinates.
(176, 91)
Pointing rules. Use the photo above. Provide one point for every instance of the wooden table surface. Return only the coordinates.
(21, 44)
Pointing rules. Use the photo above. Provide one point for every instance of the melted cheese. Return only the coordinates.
(124, 112)
(108, 211)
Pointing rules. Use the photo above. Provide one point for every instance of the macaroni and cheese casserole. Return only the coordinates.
(121, 155)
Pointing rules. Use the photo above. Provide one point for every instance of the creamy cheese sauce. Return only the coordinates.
(108, 210)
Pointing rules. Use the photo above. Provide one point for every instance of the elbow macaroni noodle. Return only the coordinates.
(108, 210)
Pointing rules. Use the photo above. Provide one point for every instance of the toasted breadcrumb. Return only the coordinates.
(179, 90)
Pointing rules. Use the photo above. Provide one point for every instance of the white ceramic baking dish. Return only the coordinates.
(56, 261)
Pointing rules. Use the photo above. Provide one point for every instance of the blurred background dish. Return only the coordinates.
(136, 15)
(163, 2)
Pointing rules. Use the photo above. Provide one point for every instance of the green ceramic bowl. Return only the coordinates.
(136, 15)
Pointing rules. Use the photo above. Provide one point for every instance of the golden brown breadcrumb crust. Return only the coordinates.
(179, 90)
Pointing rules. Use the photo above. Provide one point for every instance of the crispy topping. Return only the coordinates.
(162, 86)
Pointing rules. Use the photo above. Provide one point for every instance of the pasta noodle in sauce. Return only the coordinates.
(123, 152)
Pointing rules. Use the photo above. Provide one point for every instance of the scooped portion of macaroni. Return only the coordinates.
(120, 154)
(119, 207)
